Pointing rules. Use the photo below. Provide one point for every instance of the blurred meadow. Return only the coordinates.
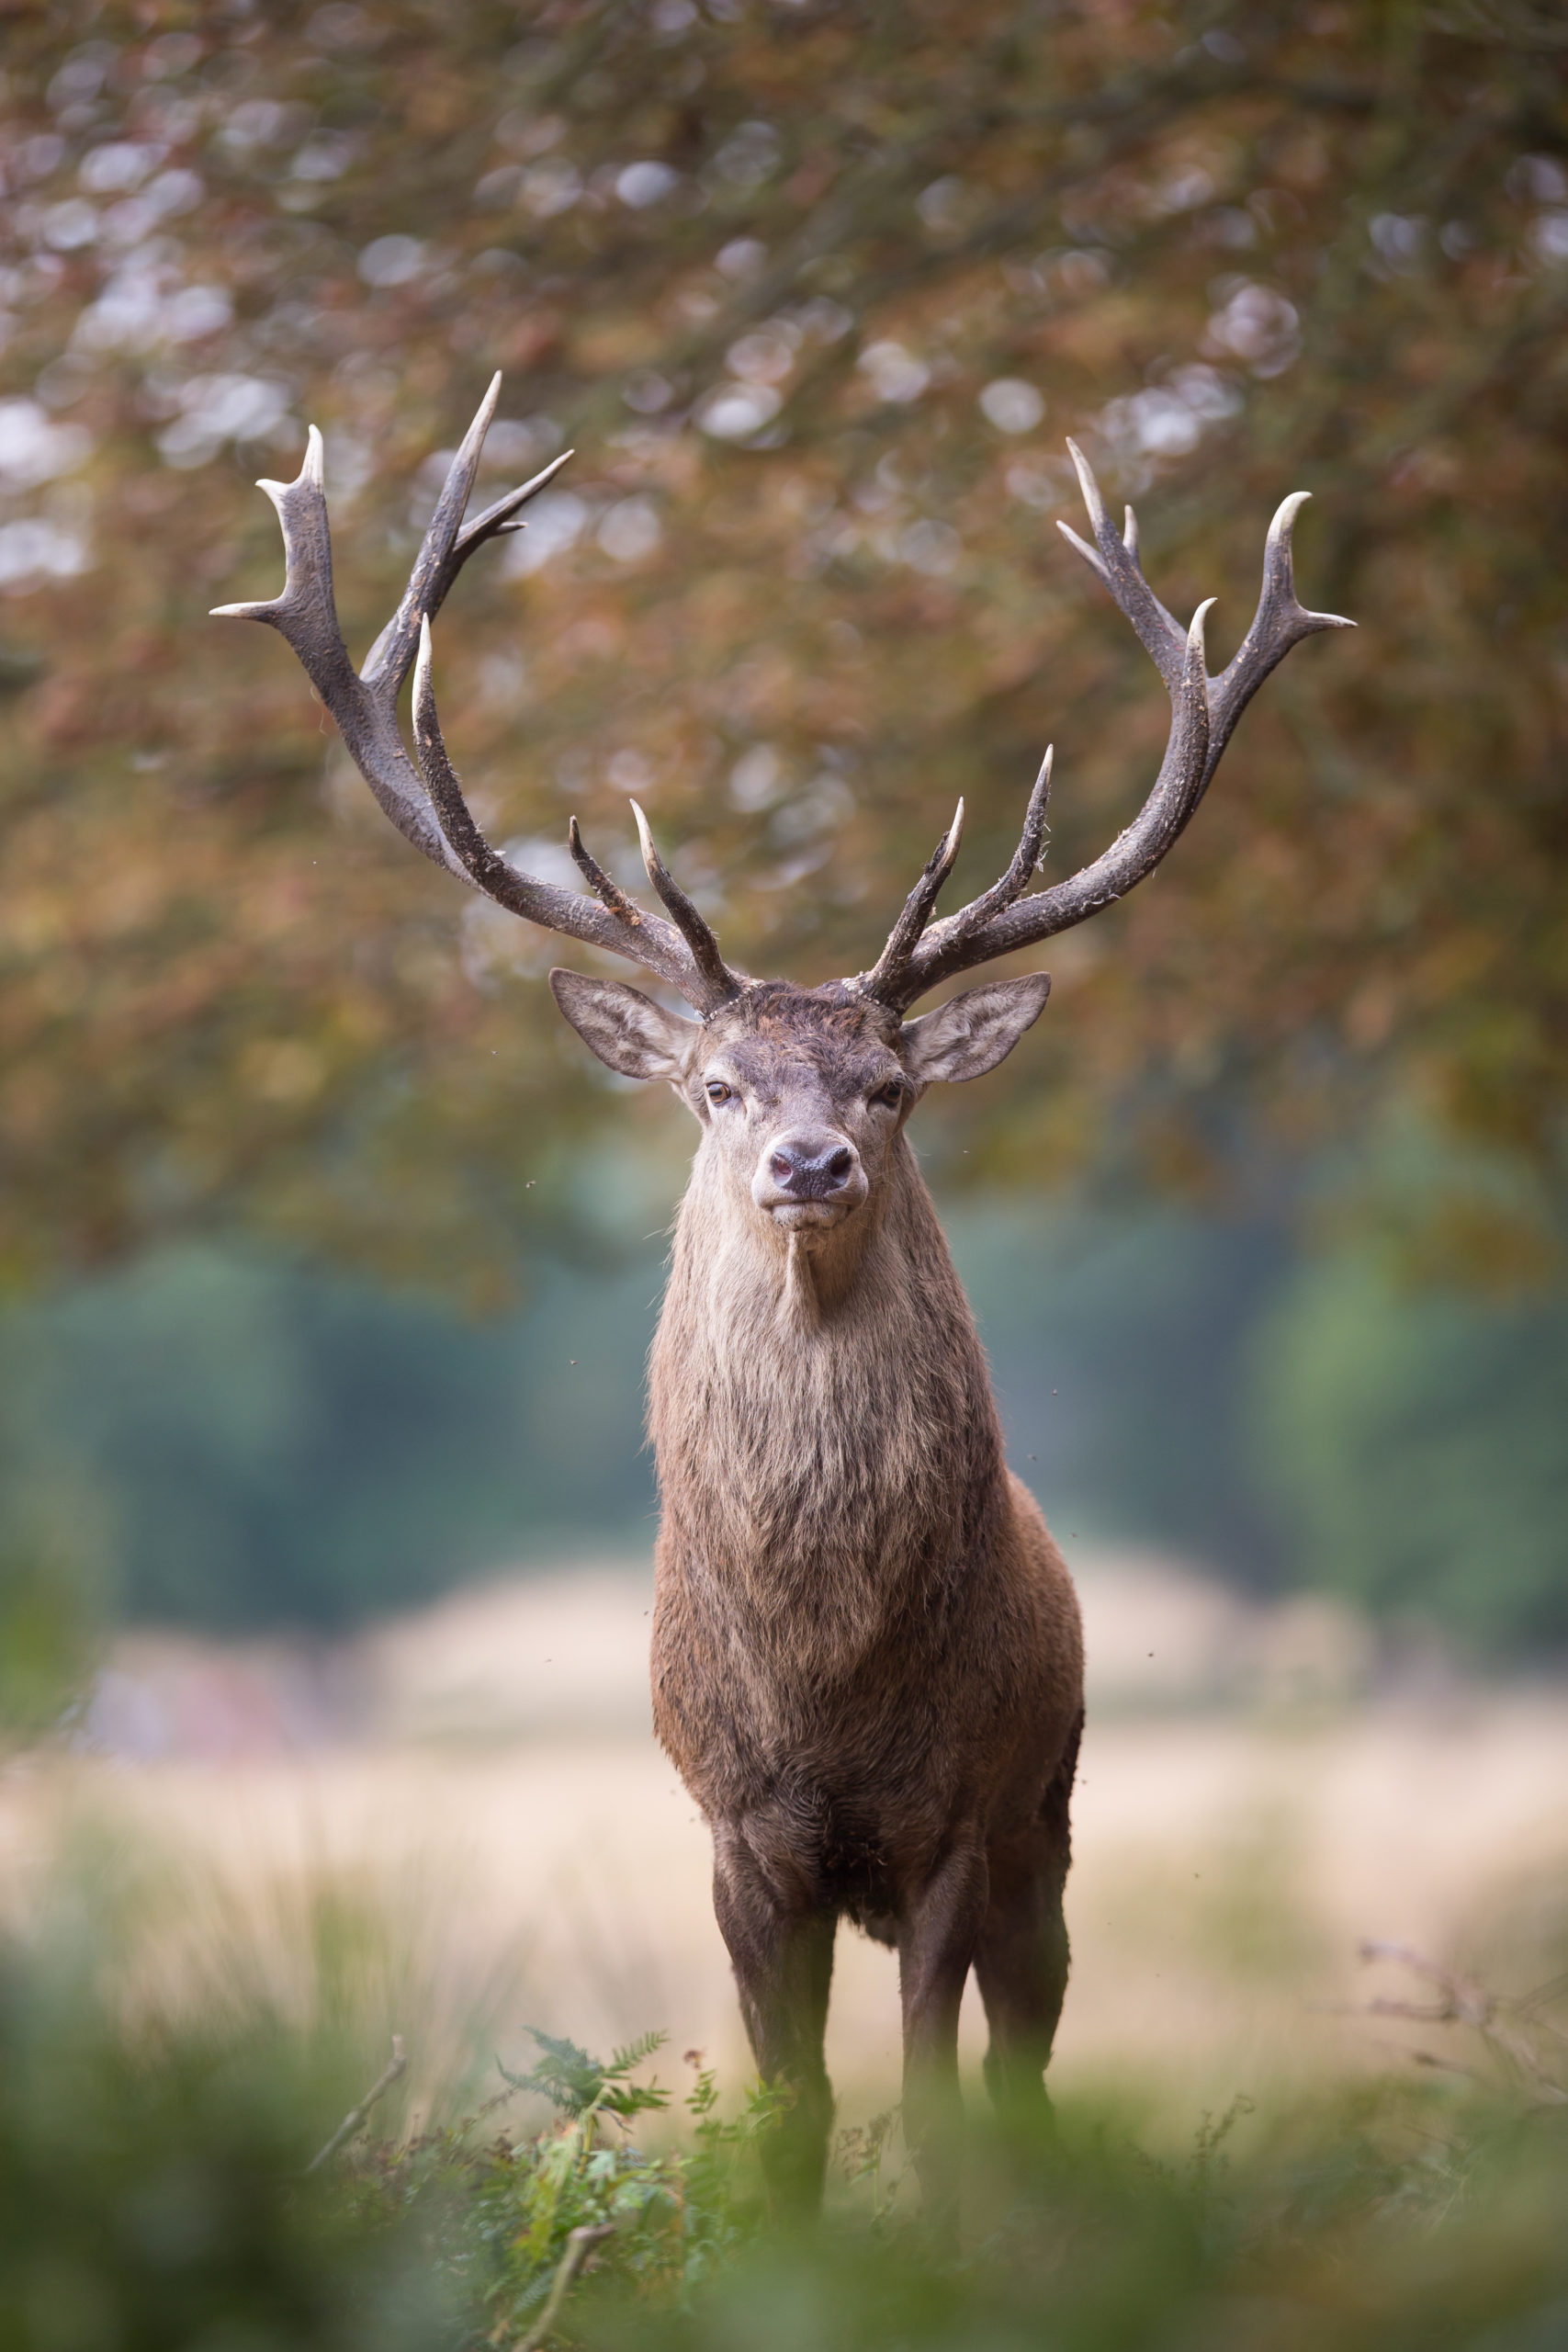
(329, 1260)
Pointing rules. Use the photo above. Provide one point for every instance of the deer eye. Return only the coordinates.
(717, 1091)
(888, 1097)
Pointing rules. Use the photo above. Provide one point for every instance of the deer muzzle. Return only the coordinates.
(809, 1180)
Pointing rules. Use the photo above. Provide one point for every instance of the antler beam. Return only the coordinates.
(1204, 711)
(429, 808)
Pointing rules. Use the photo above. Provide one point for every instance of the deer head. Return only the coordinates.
(801, 1093)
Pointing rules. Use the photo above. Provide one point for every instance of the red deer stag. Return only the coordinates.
(867, 1664)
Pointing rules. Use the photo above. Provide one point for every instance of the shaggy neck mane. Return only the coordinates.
(813, 1407)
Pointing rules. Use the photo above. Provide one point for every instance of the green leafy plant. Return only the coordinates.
(511, 2223)
(580, 2084)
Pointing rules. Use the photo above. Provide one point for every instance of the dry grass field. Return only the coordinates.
(477, 1786)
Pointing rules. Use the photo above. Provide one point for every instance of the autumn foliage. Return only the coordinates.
(816, 291)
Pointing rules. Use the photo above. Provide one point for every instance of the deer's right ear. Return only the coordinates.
(627, 1030)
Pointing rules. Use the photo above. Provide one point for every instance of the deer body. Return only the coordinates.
(866, 1658)
(867, 1666)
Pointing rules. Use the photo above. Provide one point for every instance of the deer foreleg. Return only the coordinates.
(938, 1936)
(781, 1947)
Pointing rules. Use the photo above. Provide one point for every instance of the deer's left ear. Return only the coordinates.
(976, 1031)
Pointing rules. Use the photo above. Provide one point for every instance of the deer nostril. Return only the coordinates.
(811, 1170)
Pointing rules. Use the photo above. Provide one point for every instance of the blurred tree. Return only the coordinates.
(1411, 1442)
(260, 1445)
(1122, 1341)
(817, 291)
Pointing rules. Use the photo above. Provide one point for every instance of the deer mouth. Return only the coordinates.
(806, 1216)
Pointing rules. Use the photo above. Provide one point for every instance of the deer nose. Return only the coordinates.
(809, 1169)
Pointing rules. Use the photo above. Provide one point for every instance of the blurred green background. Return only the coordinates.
(249, 1445)
(330, 1259)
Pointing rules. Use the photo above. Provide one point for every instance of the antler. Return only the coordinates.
(1204, 711)
(429, 808)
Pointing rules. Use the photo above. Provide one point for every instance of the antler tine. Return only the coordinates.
(604, 887)
(390, 658)
(1116, 561)
(615, 924)
(484, 867)
(446, 546)
(886, 980)
(1280, 622)
(306, 616)
(496, 521)
(1013, 883)
(722, 983)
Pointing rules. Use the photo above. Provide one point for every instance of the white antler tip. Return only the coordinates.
(313, 470)
(485, 411)
(1089, 487)
(650, 855)
(1284, 520)
(1195, 634)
